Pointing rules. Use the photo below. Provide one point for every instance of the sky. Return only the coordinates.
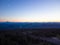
(30, 10)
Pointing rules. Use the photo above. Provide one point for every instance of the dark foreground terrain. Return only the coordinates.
(30, 37)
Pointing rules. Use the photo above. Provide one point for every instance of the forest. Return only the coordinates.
(28, 36)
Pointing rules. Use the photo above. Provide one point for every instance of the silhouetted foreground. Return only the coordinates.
(28, 36)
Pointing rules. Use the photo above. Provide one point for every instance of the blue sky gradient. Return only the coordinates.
(30, 10)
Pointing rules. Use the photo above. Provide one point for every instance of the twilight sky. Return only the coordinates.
(30, 10)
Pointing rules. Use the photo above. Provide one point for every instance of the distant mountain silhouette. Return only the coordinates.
(16, 25)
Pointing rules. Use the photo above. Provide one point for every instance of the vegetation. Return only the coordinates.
(17, 37)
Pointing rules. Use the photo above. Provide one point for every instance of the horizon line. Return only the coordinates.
(32, 22)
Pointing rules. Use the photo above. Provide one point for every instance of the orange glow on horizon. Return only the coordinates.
(2, 20)
(30, 20)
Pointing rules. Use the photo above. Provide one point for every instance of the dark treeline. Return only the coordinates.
(16, 37)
